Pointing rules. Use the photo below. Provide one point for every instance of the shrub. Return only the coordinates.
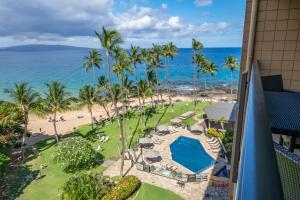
(74, 153)
(124, 189)
(214, 133)
(4, 159)
(86, 186)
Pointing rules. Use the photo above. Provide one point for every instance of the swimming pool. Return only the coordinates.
(190, 153)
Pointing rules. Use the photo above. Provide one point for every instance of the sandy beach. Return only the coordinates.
(72, 121)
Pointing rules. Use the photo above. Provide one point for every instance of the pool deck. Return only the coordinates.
(191, 190)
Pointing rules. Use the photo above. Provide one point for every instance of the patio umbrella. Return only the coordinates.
(176, 121)
(152, 155)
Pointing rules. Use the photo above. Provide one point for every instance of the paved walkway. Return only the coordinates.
(191, 190)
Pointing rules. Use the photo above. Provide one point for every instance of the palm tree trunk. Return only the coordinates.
(120, 120)
(108, 65)
(194, 88)
(157, 84)
(146, 75)
(231, 85)
(136, 82)
(92, 120)
(24, 137)
(107, 112)
(94, 78)
(55, 129)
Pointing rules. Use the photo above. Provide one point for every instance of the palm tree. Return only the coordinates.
(233, 65)
(121, 65)
(135, 58)
(154, 62)
(57, 100)
(212, 70)
(197, 46)
(27, 101)
(204, 68)
(110, 39)
(144, 90)
(151, 82)
(170, 50)
(92, 61)
(102, 92)
(128, 89)
(87, 97)
(144, 58)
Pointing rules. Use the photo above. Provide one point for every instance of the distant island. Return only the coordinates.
(41, 47)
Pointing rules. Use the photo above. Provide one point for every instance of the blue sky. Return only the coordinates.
(216, 23)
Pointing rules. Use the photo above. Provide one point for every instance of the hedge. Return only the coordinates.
(74, 153)
(124, 188)
(214, 133)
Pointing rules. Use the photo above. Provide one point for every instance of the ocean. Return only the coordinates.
(40, 67)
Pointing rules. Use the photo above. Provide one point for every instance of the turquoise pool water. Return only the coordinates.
(190, 153)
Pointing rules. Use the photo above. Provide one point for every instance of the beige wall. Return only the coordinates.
(277, 39)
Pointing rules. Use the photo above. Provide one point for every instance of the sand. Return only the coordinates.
(72, 121)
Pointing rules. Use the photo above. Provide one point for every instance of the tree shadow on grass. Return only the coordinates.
(163, 114)
(135, 130)
(12, 185)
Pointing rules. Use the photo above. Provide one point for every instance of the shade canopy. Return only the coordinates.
(176, 121)
(145, 141)
(221, 111)
(197, 128)
(150, 154)
(163, 128)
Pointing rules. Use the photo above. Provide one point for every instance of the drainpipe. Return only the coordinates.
(252, 30)
(242, 101)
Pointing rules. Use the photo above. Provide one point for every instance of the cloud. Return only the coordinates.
(164, 6)
(149, 23)
(63, 17)
(201, 3)
(73, 22)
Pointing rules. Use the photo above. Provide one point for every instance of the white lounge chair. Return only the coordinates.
(215, 146)
(101, 138)
(210, 139)
(106, 139)
(214, 142)
(99, 148)
(216, 150)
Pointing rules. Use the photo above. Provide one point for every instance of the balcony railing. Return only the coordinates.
(258, 176)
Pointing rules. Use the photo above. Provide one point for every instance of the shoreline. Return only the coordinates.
(72, 121)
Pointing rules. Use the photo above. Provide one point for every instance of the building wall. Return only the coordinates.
(277, 39)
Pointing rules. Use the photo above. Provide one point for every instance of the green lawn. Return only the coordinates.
(47, 188)
(151, 192)
(189, 122)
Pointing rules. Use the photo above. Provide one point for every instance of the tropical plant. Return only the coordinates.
(170, 50)
(74, 153)
(102, 91)
(128, 89)
(197, 46)
(214, 133)
(110, 39)
(27, 101)
(87, 97)
(124, 188)
(204, 69)
(154, 63)
(144, 58)
(232, 64)
(122, 65)
(151, 82)
(11, 120)
(57, 100)
(135, 58)
(86, 186)
(144, 91)
(92, 61)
